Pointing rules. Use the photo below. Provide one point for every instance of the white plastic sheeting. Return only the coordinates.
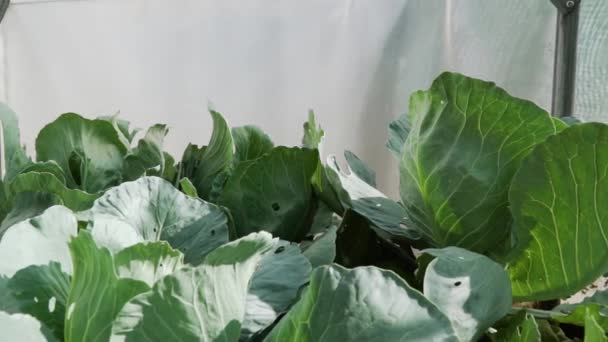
(354, 62)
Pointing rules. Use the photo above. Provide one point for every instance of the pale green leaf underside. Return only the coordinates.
(152, 209)
(382, 212)
(472, 290)
(27, 205)
(38, 241)
(361, 304)
(206, 303)
(466, 142)
(148, 261)
(274, 286)
(558, 202)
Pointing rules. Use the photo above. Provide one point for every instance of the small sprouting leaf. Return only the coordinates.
(313, 133)
(187, 187)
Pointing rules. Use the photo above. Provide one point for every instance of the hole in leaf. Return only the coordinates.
(279, 250)
(276, 206)
(212, 232)
(161, 264)
(458, 283)
(154, 230)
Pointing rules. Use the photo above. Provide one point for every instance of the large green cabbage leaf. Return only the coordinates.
(466, 142)
(558, 200)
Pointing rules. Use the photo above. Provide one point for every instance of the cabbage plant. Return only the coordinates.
(104, 236)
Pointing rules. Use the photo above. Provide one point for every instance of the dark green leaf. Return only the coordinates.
(358, 167)
(203, 165)
(27, 205)
(322, 251)
(42, 291)
(15, 158)
(250, 143)
(282, 271)
(47, 183)
(147, 155)
(272, 193)
(385, 215)
(521, 327)
(100, 151)
(398, 130)
(357, 244)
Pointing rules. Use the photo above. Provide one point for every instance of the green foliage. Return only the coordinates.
(104, 236)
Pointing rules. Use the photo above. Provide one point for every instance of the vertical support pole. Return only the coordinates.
(564, 68)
